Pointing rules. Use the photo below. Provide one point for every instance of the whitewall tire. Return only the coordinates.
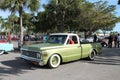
(54, 61)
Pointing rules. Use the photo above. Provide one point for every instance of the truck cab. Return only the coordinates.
(64, 38)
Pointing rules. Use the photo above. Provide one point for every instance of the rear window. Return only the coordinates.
(59, 39)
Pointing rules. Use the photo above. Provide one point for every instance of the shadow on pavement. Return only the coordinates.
(110, 56)
(104, 61)
(16, 50)
(17, 66)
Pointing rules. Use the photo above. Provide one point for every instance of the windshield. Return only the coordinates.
(59, 39)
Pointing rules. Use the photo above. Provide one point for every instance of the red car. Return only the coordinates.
(3, 41)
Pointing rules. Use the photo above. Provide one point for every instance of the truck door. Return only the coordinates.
(72, 50)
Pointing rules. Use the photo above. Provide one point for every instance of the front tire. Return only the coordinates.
(2, 52)
(92, 55)
(54, 61)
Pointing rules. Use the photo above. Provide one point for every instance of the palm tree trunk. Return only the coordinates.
(63, 22)
(21, 25)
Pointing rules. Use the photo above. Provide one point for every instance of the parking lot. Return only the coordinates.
(105, 67)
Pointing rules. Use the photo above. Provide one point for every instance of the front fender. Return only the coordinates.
(47, 54)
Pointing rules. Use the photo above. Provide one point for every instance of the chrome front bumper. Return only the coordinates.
(39, 61)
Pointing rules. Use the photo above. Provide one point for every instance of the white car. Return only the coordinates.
(89, 39)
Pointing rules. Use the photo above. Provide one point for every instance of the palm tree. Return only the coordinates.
(1, 21)
(62, 12)
(12, 19)
(19, 6)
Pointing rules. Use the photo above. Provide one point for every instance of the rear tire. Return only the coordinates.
(54, 61)
(92, 55)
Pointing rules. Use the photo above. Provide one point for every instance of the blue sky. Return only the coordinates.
(6, 13)
(111, 2)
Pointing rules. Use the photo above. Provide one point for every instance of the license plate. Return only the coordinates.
(36, 63)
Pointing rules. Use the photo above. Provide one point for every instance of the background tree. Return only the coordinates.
(28, 22)
(12, 20)
(97, 16)
(9, 24)
(1, 19)
(106, 18)
(45, 22)
(77, 15)
(85, 18)
(61, 15)
(20, 5)
(1, 22)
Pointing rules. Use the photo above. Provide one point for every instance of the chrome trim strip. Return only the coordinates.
(33, 59)
(30, 58)
(29, 50)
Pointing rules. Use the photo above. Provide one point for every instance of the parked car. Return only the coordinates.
(104, 41)
(57, 49)
(3, 40)
(5, 47)
(88, 39)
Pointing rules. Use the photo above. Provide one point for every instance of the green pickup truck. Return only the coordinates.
(58, 49)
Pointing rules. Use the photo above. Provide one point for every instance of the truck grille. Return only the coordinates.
(32, 54)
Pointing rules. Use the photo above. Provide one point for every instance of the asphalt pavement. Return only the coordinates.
(105, 67)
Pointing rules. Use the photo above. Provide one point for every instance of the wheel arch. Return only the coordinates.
(95, 51)
(57, 54)
(92, 54)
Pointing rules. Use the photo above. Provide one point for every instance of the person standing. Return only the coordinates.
(9, 38)
(95, 38)
(110, 40)
(118, 40)
(115, 41)
(46, 37)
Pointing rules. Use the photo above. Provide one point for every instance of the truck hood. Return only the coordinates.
(41, 46)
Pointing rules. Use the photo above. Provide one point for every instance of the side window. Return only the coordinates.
(75, 39)
(72, 40)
